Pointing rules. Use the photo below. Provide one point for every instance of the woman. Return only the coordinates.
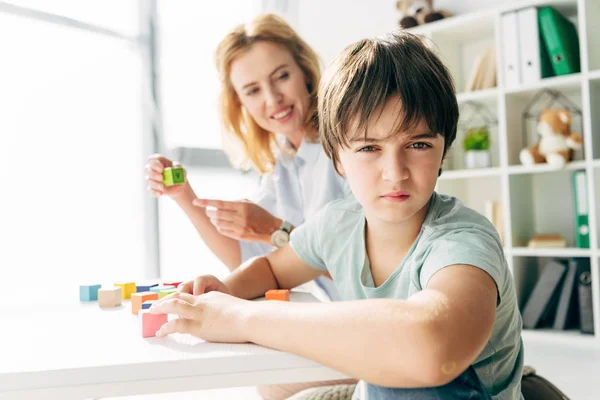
(269, 80)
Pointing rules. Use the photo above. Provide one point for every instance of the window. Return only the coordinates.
(189, 32)
(71, 163)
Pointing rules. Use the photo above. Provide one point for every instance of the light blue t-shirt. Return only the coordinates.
(451, 234)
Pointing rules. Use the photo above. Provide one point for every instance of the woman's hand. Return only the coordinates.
(213, 316)
(154, 177)
(241, 220)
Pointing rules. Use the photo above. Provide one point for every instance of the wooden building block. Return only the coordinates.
(280, 294)
(173, 176)
(151, 323)
(158, 288)
(175, 284)
(127, 289)
(166, 292)
(147, 304)
(145, 286)
(110, 297)
(88, 292)
(137, 299)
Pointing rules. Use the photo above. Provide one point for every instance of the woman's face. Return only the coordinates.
(272, 88)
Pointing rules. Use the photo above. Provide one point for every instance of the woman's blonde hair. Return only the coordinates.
(258, 143)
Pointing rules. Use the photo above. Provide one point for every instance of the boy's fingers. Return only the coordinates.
(175, 306)
(178, 325)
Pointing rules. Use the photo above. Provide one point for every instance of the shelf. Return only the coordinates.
(543, 168)
(596, 163)
(594, 75)
(479, 95)
(461, 27)
(469, 173)
(566, 82)
(550, 252)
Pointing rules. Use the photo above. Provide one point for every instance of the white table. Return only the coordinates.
(82, 351)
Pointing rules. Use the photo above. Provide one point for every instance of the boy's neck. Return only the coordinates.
(400, 236)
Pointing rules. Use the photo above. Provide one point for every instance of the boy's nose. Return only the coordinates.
(395, 170)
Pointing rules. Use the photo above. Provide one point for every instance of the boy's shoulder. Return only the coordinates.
(340, 214)
(449, 214)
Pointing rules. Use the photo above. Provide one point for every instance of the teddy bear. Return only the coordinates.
(556, 143)
(417, 12)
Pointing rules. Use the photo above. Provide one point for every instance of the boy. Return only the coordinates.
(431, 309)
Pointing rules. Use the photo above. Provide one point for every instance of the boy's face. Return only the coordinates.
(392, 176)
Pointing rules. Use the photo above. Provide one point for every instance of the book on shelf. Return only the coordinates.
(541, 304)
(541, 241)
(495, 213)
(483, 71)
(567, 312)
(586, 309)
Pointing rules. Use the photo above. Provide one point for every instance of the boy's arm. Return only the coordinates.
(424, 341)
(281, 269)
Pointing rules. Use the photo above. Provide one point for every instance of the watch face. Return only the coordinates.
(280, 238)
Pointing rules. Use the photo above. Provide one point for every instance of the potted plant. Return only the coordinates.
(476, 145)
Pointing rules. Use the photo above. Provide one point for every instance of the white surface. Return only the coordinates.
(572, 365)
(82, 351)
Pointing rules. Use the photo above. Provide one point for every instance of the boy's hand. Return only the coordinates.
(203, 284)
(240, 220)
(154, 177)
(214, 316)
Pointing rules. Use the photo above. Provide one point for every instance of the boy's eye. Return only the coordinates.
(367, 149)
(252, 91)
(284, 75)
(420, 145)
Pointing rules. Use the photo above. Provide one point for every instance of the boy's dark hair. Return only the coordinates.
(368, 72)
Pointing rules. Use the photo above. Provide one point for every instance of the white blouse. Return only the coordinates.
(298, 187)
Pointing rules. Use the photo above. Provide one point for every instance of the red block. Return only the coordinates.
(175, 284)
(151, 323)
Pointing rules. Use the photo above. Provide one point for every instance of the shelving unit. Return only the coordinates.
(539, 198)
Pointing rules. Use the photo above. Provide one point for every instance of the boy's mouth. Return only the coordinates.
(396, 196)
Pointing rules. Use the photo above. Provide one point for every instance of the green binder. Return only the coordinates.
(582, 229)
(561, 40)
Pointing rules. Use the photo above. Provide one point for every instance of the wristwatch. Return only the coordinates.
(281, 236)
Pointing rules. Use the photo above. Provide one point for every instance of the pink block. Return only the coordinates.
(151, 323)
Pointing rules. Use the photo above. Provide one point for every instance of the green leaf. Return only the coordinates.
(476, 139)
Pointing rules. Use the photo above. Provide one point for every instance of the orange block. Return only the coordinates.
(138, 298)
(280, 294)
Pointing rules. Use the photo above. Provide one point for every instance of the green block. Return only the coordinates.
(173, 176)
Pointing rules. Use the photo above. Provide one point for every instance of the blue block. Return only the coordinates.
(146, 305)
(145, 288)
(158, 288)
(89, 292)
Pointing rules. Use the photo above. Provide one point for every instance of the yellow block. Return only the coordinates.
(127, 288)
(165, 292)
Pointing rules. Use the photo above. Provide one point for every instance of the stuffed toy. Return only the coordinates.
(556, 143)
(417, 12)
